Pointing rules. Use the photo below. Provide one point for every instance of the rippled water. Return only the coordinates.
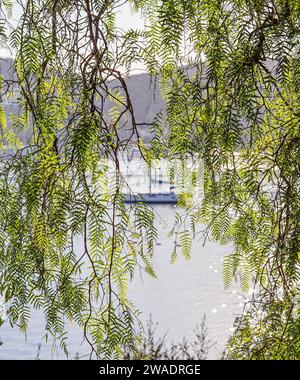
(178, 299)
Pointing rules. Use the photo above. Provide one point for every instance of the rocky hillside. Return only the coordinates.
(142, 89)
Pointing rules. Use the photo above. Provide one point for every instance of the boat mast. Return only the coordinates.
(150, 179)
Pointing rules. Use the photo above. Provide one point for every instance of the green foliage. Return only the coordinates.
(230, 81)
(274, 334)
(61, 184)
(229, 74)
(151, 347)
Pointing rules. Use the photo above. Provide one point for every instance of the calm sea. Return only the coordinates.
(183, 292)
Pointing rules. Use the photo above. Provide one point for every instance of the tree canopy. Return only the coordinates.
(229, 75)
